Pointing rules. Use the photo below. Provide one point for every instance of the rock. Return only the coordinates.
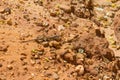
(65, 18)
(45, 44)
(65, 8)
(45, 24)
(23, 54)
(74, 2)
(71, 37)
(79, 58)
(32, 62)
(36, 56)
(61, 27)
(6, 10)
(54, 44)
(110, 14)
(42, 24)
(74, 24)
(109, 54)
(93, 69)
(22, 58)
(24, 63)
(3, 48)
(69, 56)
(53, 13)
(9, 22)
(39, 2)
(55, 76)
(89, 61)
(79, 69)
(106, 77)
(32, 74)
(46, 67)
(9, 67)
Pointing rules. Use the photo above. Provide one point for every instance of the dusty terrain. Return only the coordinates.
(59, 40)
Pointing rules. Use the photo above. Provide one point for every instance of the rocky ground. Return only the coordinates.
(59, 40)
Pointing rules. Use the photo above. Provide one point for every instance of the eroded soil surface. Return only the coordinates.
(59, 40)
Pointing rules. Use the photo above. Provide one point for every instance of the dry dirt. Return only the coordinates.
(59, 40)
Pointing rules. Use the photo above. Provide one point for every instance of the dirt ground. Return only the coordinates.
(59, 40)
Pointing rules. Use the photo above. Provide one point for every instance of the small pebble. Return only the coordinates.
(9, 22)
(22, 58)
(65, 8)
(61, 27)
(79, 69)
(10, 67)
(7, 10)
(106, 78)
(53, 13)
(32, 74)
(3, 48)
(55, 76)
(32, 62)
